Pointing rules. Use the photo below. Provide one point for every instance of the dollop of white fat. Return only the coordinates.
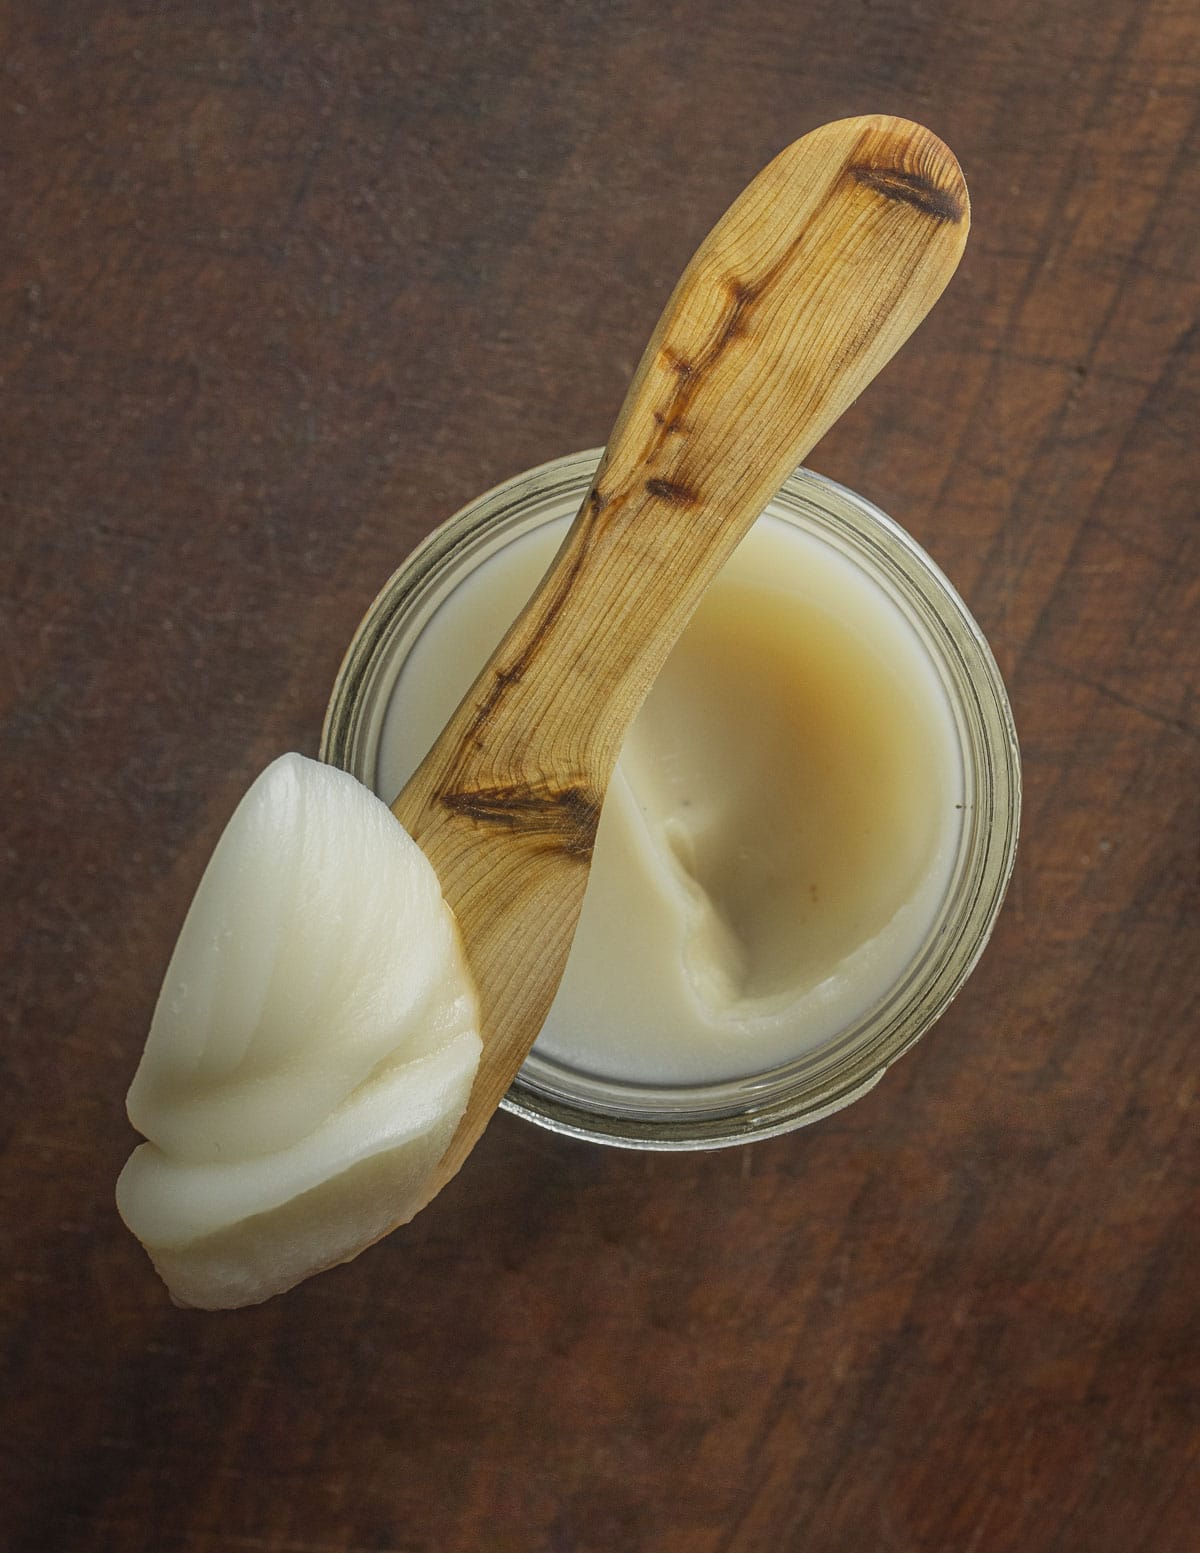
(312, 1050)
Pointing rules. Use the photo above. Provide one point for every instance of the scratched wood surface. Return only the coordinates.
(280, 287)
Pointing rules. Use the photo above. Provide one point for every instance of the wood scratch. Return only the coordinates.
(1076, 677)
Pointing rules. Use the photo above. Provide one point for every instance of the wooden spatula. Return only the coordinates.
(798, 296)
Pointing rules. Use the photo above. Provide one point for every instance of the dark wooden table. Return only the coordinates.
(283, 286)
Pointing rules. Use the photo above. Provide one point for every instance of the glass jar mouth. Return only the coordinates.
(783, 1097)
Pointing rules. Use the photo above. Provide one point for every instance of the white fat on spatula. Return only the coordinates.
(312, 1050)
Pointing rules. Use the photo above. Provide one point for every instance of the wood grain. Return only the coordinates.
(280, 289)
(800, 294)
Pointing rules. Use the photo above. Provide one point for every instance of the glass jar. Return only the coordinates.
(700, 1116)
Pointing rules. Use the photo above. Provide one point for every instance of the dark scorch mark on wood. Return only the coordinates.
(505, 677)
(670, 420)
(672, 491)
(741, 296)
(566, 817)
(914, 189)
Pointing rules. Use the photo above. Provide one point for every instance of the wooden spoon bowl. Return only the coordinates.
(798, 296)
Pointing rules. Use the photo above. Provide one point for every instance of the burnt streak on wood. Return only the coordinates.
(566, 817)
(677, 363)
(734, 326)
(512, 674)
(677, 494)
(915, 189)
(670, 421)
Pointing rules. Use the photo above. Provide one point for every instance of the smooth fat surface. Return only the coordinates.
(312, 1049)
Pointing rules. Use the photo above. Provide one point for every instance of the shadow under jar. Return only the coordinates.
(810, 831)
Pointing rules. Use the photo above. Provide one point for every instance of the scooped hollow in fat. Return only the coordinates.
(312, 1050)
